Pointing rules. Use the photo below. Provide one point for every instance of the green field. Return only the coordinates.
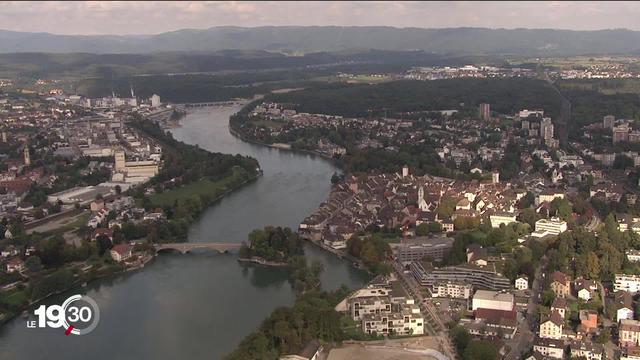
(270, 124)
(197, 188)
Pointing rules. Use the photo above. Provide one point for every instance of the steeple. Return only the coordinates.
(27, 157)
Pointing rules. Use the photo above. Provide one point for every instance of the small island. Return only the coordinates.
(271, 246)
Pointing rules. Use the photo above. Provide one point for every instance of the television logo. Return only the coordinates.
(78, 315)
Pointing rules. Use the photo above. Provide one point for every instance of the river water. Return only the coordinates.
(199, 306)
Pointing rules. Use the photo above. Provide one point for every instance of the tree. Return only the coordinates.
(461, 338)
(480, 350)
(561, 208)
(593, 266)
(33, 264)
(104, 244)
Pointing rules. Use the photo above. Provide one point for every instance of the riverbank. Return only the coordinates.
(261, 261)
(280, 146)
(80, 283)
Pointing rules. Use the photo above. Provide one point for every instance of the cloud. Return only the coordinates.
(123, 17)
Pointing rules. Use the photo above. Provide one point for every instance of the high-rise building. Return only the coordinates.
(546, 129)
(484, 111)
(27, 157)
(155, 100)
(621, 133)
(608, 121)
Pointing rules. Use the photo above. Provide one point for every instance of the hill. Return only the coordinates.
(296, 39)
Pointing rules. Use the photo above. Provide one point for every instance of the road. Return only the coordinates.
(428, 311)
(525, 335)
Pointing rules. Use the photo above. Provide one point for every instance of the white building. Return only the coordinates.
(551, 348)
(553, 226)
(628, 283)
(155, 100)
(500, 218)
(453, 290)
(522, 283)
(633, 255)
(493, 300)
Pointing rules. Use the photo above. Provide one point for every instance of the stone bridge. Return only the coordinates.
(186, 247)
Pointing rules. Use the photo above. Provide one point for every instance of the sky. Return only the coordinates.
(120, 18)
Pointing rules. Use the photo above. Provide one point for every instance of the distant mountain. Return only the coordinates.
(452, 41)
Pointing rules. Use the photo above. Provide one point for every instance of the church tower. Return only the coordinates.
(27, 158)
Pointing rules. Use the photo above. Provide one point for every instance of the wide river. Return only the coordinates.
(199, 306)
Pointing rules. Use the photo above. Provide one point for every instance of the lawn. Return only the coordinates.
(201, 187)
(269, 124)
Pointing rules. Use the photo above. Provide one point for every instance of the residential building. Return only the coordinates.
(551, 326)
(522, 283)
(629, 333)
(121, 252)
(500, 218)
(435, 248)
(551, 348)
(15, 264)
(553, 226)
(405, 323)
(480, 278)
(621, 133)
(484, 111)
(454, 290)
(624, 305)
(546, 129)
(628, 283)
(608, 121)
(560, 284)
(586, 349)
(559, 305)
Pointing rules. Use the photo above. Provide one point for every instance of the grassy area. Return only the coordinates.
(270, 124)
(201, 187)
(14, 298)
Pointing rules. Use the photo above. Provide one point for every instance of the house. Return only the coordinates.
(549, 348)
(587, 350)
(15, 264)
(629, 333)
(522, 282)
(588, 320)
(551, 326)
(102, 232)
(121, 252)
(624, 305)
(97, 205)
(585, 288)
(559, 305)
(560, 284)
(477, 255)
(9, 251)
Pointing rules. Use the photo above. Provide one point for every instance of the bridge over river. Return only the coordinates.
(186, 247)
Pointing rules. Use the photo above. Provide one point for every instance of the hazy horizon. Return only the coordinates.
(149, 18)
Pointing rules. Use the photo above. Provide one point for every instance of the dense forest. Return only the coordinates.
(506, 96)
(190, 163)
(287, 330)
(592, 100)
(272, 244)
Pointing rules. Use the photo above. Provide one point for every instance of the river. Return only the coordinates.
(199, 306)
